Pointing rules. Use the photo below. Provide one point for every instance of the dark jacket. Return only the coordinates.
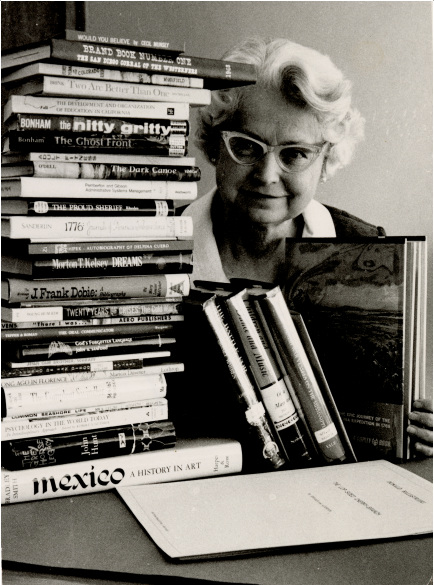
(349, 226)
(346, 225)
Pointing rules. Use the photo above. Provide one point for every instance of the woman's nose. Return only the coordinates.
(267, 169)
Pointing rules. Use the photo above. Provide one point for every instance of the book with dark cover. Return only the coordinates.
(16, 141)
(93, 444)
(115, 265)
(108, 125)
(356, 300)
(218, 73)
(149, 207)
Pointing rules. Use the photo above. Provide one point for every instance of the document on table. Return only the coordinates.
(250, 513)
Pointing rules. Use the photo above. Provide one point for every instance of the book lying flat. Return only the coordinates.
(263, 512)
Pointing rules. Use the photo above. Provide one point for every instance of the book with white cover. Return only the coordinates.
(255, 513)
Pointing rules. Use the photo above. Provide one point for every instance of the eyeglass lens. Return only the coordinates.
(247, 151)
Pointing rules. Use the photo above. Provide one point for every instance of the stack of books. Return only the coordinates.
(95, 264)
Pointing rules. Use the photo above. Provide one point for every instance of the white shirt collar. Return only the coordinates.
(318, 223)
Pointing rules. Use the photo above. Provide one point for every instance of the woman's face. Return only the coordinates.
(263, 193)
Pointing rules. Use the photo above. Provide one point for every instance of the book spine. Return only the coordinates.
(105, 474)
(45, 451)
(95, 321)
(271, 385)
(81, 394)
(59, 70)
(59, 170)
(85, 88)
(67, 377)
(151, 207)
(81, 107)
(16, 141)
(280, 366)
(139, 172)
(302, 377)
(142, 44)
(86, 332)
(108, 266)
(61, 349)
(110, 247)
(115, 58)
(105, 188)
(44, 324)
(254, 409)
(148, 312)
(151, 311)
(95, 158)
(90, 363)
(164, 285)
(16, 315)
(77, 372)
(161, 128)
(102, 226)
(91, 418)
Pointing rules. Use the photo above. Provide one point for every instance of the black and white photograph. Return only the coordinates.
(217, 292)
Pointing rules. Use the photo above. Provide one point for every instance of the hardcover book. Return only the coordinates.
(189, 459)
(18, 104)
(357, 300)
(58, 69)
(218, 73)
(71, 87)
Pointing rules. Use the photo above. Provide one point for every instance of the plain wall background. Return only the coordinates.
(384, 48)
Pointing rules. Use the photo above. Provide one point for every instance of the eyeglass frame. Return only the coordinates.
(274, 148)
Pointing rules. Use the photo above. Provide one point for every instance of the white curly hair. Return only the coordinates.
(303, 77)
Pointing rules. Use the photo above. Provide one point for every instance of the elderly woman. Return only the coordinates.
(272, 144)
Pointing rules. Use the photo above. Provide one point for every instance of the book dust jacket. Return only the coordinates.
(352, 296)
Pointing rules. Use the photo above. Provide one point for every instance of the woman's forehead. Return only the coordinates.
(267, 115)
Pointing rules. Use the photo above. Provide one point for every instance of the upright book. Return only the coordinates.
(357, 300)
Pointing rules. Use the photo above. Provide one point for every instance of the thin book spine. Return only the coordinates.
(271, 385)
(35, 187)
(46, 207)
(302, 376)
(188, 460)
(94, 321)
(87, 445)
(19, 104)
(90, 418)
(108, 347)
(118, 368)
(80, 157)
(67, 377)
(89, 363)
(62, 313)
(155, 246)
(68, 333)
(254, 408)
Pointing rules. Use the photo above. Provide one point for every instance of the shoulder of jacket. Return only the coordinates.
(347, 224)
